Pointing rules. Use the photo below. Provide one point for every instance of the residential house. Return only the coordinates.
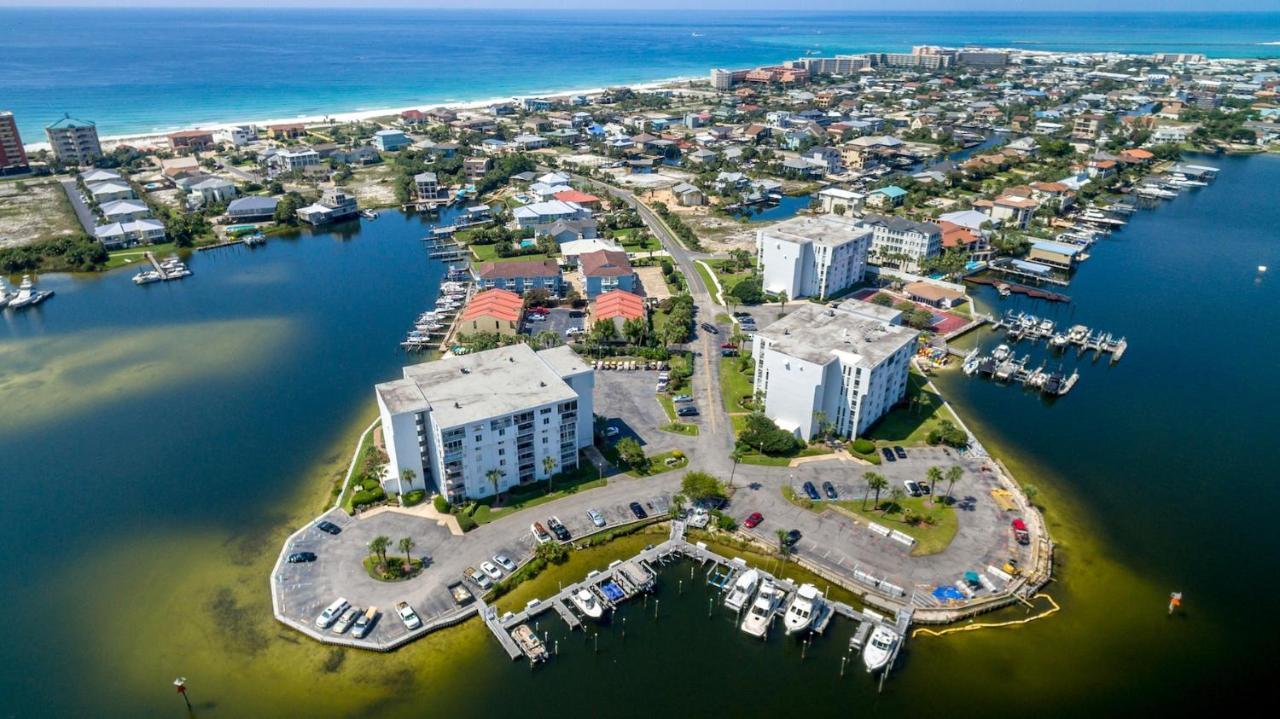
(496, 311)
(390, 140)
(252, 209)
(604, 270)
(618, 306)
(520, 276)
(334, 205)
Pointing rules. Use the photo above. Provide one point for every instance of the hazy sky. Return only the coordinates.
(791, 5)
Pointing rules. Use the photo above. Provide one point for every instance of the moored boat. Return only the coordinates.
(804, 607)
(880, 648)
(743, 588)
(529, 643)
(587, 603)
(762, 610)
(28, 295)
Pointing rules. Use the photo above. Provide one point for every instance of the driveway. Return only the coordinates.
(83, 213)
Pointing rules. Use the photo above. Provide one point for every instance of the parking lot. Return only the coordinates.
(627, 399)
(558, 320)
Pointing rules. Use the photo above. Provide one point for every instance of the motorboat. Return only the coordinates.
(529, 643)
(1003, 289)
(1058, 341)
(742, 590)
(4, 295)
(28, 295)
(1000, 353)
(804, 608)
(880, 648)
(146, 277)
(758, 619)
(587, 603)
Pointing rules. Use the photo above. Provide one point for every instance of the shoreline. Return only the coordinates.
(161, 136)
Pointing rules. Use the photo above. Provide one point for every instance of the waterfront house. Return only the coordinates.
(390, 140)
(835, 197)
(115, 235)
(476, 167)
(214, 190)
(426, 186)
(891, 196)
(520, 276)
(191, 140)
(124, 210)
(334, 205)
(287, 131)
(252, 209)
(1055, 254)
(496, 311)
(603, 271)
(934, 294)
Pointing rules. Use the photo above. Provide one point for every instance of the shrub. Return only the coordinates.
(465, 522)
(441, 504)
(368, 496)
(414, 497)
(863, 446)
(553, 552)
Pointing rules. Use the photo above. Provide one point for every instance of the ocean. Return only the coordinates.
(149, 70)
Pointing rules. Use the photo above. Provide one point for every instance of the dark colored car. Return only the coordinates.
(792, 537)
(707, 326)
(811, 491)
(637, 510)
(558, 529)
(687, 411)
(728, 353)
(753, 520)
(888, 454)
(829, 489)
(902, 453)
(327, 526)
(924, 488)
(301, 557)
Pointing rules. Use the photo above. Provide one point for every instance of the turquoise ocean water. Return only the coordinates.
(143, 70)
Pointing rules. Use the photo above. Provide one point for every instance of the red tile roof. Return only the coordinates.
(499, 304)
(576, 196)
(619, 303)
(954, 235)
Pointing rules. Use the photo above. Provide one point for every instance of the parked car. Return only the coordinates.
(365, 623)
(478, 577)
(1020, 532)
(912, 488)
(558, 529)
(408, 616)
(811, 491)
(728, 353)
(491, 570)
(753, 520)
(888, 454)
(924, 488)
(325, 525)
(687, 411)
(348, 618)
(301, 557)
(707, 326)
(505, 562)
(535, 317)
(612, 431)
(637, 510)
(791, 538)
(332, 612)
(682, 398)
(596, 517)
(829, 489)
(540, 533)
(902, 453)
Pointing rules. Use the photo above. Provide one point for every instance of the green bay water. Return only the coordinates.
(160, 442)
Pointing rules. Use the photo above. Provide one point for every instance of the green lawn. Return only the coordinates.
(674, 424)
(135, 255)
(658, 464)
(584, 478)
(929, 539)
(707, 282)
(727, 279)
(764, 460)
(489, 253)
(910, 424)
(735, 385)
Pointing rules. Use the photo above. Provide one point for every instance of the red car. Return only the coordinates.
(754, 519)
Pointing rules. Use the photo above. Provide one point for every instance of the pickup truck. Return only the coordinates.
(408, 616)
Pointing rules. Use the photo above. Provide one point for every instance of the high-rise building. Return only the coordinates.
(13, 159)
(74, 142)
(813, 256)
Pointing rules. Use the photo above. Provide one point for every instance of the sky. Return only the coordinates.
(790, 6)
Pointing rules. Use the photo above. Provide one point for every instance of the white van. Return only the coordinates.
(332, 612)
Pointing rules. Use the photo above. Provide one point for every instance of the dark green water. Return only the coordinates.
(159, 442)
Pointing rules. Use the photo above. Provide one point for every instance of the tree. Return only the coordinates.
(406, 475)
(934, 476)
(895, 499)
(378, 548)
(493, 476)
(953, 475)
(406, 546)
(632, 454)
(875, 483)
(548, 466)
(766, 437)
(603, 331)
(736, 455)
(287, 209)
(1032, 492)
(698, 486)
(634, 330)
(782, 303)
(784, 548)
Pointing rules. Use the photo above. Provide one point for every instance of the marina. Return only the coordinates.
(170, 268)
(25, 296)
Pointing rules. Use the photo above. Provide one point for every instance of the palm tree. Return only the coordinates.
(875, 483)
(736, 455)
(934, 475)
(406, 546)
(895, 498)
(953, 475)
(493, 476)
(406, 475)
(782, 303)
(378, 548)
(548, 466)
(783, 548)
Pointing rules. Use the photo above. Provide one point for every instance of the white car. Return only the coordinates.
(332, 612)
(612, 432)
(492, 570)
(348, 618)
(478, 577)
(408, 616)
(505, 562)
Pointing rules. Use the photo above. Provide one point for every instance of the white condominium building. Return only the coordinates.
(903, 243)
(455, 421)
(812, 256)
(845, 366)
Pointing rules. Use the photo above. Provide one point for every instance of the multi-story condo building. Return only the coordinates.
(74, 142)
(475, 425)
(813, 256)
(901, 242)
(842, 367)
(13, 159)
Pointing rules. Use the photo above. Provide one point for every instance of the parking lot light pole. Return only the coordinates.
(181, 684)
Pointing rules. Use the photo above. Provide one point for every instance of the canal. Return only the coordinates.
(159, 442)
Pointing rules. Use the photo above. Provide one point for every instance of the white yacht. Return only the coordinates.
(738, 597)
(880, 648)
(1000, 353)
(585, 601)
(757, 621)
(28, 295)
(146, 277)
(4, 295)
(804, 608)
